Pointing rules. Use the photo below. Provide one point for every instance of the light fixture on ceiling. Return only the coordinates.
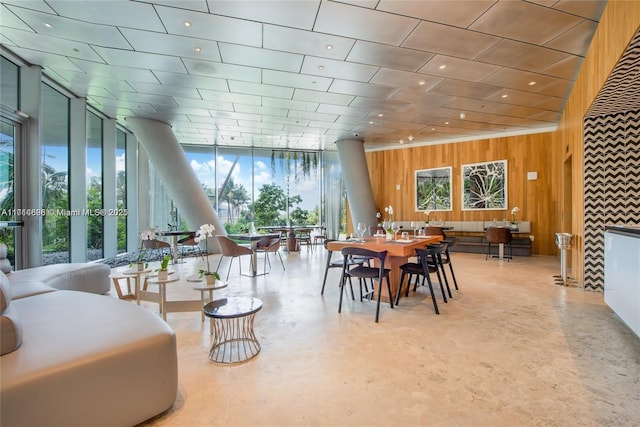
(46, 24)
(421, 82)
(370, 123)
(462, 115)
(320, 67)
(531, 83)
(433, 129)
(197, 49)
(380, 115)
(401, 141)
(446, 123)
(187, 23)
(410, 138)
(505, 96)
(442, 67)
(329, 46)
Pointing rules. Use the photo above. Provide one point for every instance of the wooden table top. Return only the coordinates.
(397, 248)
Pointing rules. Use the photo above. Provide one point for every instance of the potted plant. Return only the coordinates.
(163, 272)
(139, 264)
(209, 276)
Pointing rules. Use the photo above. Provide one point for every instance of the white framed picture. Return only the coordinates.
(433, 189)
(484, 186)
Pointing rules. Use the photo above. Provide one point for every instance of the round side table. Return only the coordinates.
(233, 340)
(202, 286)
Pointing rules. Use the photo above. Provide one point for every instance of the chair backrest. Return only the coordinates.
(269, 244)
(427, 257)
(154, 244)
(499, 235)
(228, 246)
(434, 231)
(376, 229)
(352, 251)
(189, 240)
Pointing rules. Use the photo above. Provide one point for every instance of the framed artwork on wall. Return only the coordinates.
(484, 186)
(433, 190)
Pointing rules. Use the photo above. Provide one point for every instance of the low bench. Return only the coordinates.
(478, 244)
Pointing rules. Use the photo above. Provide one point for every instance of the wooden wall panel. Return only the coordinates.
(618, 24)
(540, 201)
(537, 200)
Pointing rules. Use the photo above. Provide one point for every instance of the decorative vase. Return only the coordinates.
(389, 236)
(210, 279)
(140, 266)
(163, 274)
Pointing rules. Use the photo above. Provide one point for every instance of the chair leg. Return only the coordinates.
(326, 271)
(433, 296)
(444, 296)
(343, 282)
(446, 281)
(404, 273)
(488, 252)
(281, 261)
(455, 282)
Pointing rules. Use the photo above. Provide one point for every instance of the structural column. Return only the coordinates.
(181, 182)
(357, 182)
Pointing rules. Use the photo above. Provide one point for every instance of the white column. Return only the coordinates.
(133, 205)
(357, 182)
(181, 182)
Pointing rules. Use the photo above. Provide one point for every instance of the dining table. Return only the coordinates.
(254, 238)
(398, 253)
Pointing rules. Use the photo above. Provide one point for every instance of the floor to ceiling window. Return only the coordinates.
(54, 153)
(121, 189)
(9, 133)
(95, 201)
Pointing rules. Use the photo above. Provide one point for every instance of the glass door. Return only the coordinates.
(10, 216)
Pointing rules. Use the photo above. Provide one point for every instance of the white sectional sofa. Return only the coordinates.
(78, 358)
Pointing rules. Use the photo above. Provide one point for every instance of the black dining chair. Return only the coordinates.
(362, 273)
(446, 258)
(337, 263)
(426, 265)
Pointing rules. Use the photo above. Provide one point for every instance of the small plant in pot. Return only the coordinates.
(163, 272)
(209, 276)
(139, 264)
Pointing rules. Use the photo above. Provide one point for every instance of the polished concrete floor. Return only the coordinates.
(511, 349)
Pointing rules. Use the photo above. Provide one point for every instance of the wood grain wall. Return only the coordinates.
(618, 24)
(542, 201)
(537, 200)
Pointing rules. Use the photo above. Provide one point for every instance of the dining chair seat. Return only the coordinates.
(362, 273)
(498, 236)
(426, 265)
(189, 243)
(231, 249)
(268, 245)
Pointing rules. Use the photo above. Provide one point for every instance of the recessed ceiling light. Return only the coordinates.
(433, 128)
(410, 137)
(329, 46)
(46, 24)
(380, 115)
(505, 96)
(421, 82)
(370, 123)
(463, 115)
(320, 67)
(442, 67)
(187, 23)
(532, 83)
(401, 141)
(197, 49)
(446, 123)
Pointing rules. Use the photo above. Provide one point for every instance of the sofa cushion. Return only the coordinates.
(27, 289)
(10, 327)
(87, 360)
(10, 331)
(87, 277)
